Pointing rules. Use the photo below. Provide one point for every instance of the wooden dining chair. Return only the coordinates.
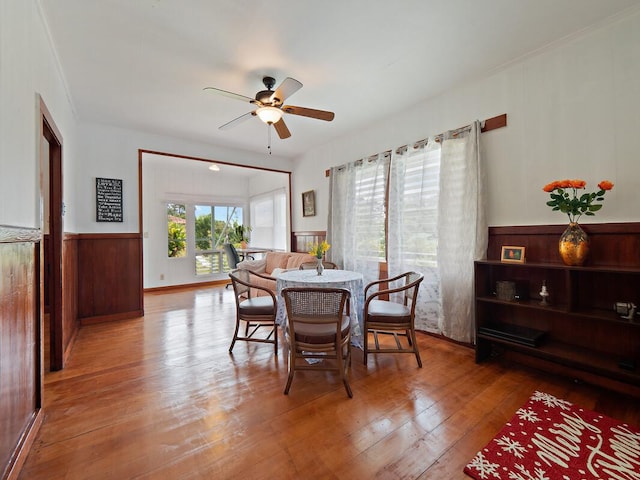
(383, 315)
(312, 265)
(258, 313)
(318, 331)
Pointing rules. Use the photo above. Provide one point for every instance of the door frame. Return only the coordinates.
(53, 254)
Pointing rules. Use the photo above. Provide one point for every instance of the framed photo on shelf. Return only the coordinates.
(308, 204)
(512, 254)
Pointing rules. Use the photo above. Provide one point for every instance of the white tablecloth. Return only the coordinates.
(352, 281)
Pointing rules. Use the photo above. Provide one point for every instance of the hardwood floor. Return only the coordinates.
(160, 397)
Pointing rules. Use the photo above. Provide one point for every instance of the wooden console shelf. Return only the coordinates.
(577, 329)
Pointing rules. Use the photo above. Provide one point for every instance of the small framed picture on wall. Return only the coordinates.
(308, 204)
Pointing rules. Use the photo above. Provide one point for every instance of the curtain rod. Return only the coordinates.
(489, 124)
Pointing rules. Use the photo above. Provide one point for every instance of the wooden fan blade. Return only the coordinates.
(235, 96)
(281, 128)
(288, 87)
(309, 112)
(236, 121)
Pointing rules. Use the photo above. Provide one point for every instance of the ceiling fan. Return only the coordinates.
(270, 105)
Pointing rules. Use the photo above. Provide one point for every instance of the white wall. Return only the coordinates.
(112, 152)
(28, 67)
(573, 112)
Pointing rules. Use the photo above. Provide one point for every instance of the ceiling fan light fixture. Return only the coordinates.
(269, 115)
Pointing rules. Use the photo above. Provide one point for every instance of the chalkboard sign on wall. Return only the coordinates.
(108, 200)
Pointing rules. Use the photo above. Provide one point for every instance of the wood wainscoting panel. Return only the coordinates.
(303, 241)
(20, 346)
(611, 244)
(109, 277)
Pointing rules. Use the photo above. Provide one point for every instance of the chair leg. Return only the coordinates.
(235, 335)
(275, 339)
(414, 343)
(366, 345)
(344, 369)
(291, 371)
(347, 387)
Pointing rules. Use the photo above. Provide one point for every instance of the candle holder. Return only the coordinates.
(544, 293)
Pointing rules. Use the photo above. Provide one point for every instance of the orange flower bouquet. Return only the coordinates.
(565, 197)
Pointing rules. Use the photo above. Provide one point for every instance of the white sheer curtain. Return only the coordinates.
(436, 224)
(462, 230)
(356, 224)
(413, 225)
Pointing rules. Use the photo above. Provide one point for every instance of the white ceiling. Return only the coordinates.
(143, 64)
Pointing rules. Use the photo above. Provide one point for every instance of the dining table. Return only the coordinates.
(330, 278)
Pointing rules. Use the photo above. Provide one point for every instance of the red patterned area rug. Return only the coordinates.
(551, 439)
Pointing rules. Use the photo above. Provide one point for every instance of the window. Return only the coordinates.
(369, 209)
(177, 230)
(214, 225)
(356, 227)
(269, 220)
(413, 206)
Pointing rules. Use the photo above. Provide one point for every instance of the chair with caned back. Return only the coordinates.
(258, 313)
(391, 312)
(318, 331)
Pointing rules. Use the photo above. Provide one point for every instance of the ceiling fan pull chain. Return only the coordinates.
(269, 137)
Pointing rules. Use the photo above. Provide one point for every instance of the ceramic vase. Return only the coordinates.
(574, 245)
(319, 267)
